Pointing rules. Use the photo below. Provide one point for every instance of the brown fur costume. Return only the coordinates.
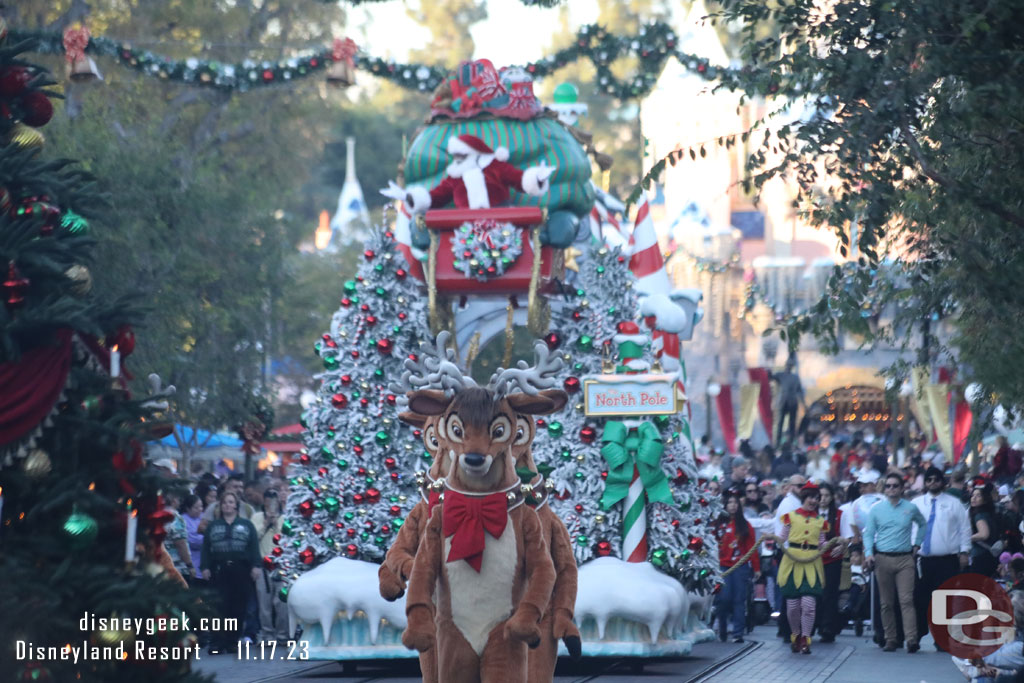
(397, 566)
(557, 622)
(482, 619)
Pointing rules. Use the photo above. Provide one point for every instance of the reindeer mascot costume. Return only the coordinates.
(397, 566)
(483, 575)
(557, 623)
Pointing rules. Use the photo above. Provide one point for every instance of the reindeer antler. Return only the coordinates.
(528, 379)
(436, 368)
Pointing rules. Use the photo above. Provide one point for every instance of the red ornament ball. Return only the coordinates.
(306, 509)
(346, 379)
(355, 354)
(361, 472)
(588, 435)
(358, 498)
(346, 302)
(278, 551)
(577, 315)
(395, 510)
(717, 589)
(364, 402)
(38, 110)
(357, 449)
(578, 508)
(696, 544)
(371, 320)
(14, 80)
(352, 550)
(304, 458)
(391, 399)
(553, 340)
(373, 495)
(571, 384)
(365, 308)
(322, 471)
(675, 523)
(603, 549)
(308, 555)
(703, 502)
(369, 254)
(277, 538)
(268, 75)
(318, 528)
(390, 463)
(385, 346)
(339, 401)
(351, 533)
(681, 477)
(402, 316)
(395, 476)
(541, 422)
(400, 273)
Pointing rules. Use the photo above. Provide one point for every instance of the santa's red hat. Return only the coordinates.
(472, 145)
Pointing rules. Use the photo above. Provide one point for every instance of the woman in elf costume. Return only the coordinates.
(801, 574)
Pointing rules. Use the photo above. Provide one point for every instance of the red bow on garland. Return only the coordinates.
(75, 42)
(465, 518)
(344, 51)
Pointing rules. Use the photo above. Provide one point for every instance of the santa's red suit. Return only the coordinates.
(482, 180)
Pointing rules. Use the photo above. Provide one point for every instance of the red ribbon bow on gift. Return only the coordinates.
(75, 42)
(344, 50)
(465, 518)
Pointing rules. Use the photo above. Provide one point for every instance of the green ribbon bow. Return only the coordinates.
(624, 447)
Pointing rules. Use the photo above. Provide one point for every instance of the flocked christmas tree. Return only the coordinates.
(669, 521)
(355, 482)
(71, 436)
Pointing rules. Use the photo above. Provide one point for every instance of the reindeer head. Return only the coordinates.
(440, 463)
(477, 431)
(526, 429)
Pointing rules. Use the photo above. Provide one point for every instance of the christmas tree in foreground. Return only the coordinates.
(81, 523)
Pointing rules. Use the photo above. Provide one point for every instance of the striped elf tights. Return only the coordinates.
(800, 612)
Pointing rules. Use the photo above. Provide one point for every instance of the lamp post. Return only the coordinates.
(713, 391)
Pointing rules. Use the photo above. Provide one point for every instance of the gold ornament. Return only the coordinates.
(511, 496)
(387, 421)
(402, 498)
(81, 277)
(579, 406)
(581, 458)
(37, 464)
(599, 519)
(26, 136)
(570, 259)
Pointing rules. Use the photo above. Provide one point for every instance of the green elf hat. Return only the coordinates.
(630, 340)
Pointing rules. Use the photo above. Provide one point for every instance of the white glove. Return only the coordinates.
(393, 191)
(543, 173)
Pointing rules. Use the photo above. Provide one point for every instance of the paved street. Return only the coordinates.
(763, 659)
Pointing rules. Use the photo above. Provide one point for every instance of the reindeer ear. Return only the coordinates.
(428, 402)
(414, 419)
(558, 396)
(536, 404)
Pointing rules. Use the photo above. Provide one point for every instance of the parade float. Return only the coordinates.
(622, 480)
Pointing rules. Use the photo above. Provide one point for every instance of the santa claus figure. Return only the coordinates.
(478, 178)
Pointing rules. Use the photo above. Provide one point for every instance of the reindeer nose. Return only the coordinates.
(474, 459)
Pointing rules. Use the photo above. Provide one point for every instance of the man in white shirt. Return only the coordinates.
(947, 541)
(789, 503)
(868, 480)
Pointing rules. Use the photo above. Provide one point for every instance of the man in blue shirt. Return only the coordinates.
(887, 547)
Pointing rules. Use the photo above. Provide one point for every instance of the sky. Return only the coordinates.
(390, 32)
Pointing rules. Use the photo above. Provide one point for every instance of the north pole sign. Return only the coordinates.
(610, 395)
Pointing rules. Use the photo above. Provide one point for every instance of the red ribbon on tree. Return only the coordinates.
(465, 518)
(75, 42)
(344, 50)
(32, 386)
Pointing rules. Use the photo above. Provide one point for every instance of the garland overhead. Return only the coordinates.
(651, 46)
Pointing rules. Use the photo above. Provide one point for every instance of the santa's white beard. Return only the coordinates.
(472, 176)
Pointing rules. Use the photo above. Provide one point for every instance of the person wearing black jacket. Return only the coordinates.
(231, 559)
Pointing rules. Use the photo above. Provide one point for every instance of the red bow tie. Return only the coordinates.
(465, 518)
(433, 498)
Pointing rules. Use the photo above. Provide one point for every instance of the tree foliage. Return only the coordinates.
(902, 128)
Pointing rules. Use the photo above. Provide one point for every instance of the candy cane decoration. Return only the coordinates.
(634, 521)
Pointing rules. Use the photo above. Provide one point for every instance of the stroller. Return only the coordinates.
(859, 600)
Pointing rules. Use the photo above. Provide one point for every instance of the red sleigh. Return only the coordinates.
(528, 274)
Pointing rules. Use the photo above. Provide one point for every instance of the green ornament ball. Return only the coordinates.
(349, 287)
(566, 454)
(382, 438)
(582, 540)
(554, 429)
(331, 363)
(342, 463)
(283, 594)
(332, 505)
(349, 516)
(397, 523)
(288, 527)
(580, 475)
(585, 343)
(659, 557)
(661, 421)
(81, 530)
(365, 536)
(685, 554)
(379, 372)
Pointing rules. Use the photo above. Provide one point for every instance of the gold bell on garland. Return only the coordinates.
(26, 136)
(341, 72)
(81, 68)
